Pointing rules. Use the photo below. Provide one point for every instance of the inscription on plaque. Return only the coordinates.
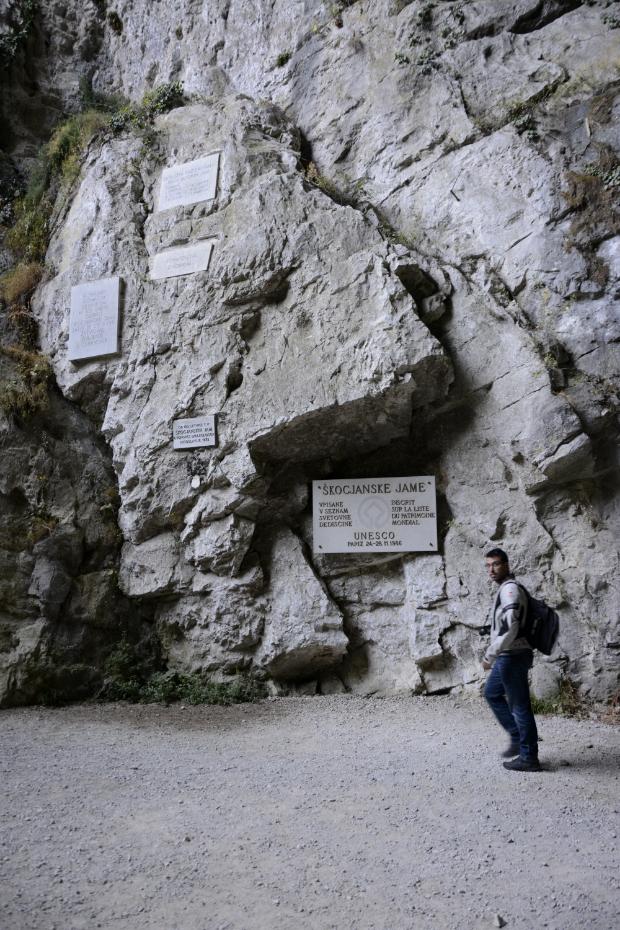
(196, 433)
(189, 183)
(375, 515)
(187, 260)
(93, 323)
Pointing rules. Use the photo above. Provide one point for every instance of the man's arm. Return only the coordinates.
(511, 611)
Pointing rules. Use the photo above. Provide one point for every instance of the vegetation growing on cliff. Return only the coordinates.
(29, 218)
(593, 194)
(341, 187)
(15, 37)
(24, 397)
(567, 702)
(125, 681)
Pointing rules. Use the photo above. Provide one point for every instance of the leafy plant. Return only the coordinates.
(29, 234)
(407, 239)
(42, 524)
(13, 39)
(424, 15)
(125, 682)
(96, 100)
(610, 178)
(27, 396)
(283, 58)
(123, 677)
(17, 285)
(116, 23)
(566, 702)
(142, 115)
(611, 19)
(342, 189)
(57, 164)
(427, 61)
(592, 195)
(197, 689)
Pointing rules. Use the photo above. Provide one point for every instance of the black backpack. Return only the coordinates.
(541, 626)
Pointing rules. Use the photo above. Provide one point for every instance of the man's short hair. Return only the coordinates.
(497, 554)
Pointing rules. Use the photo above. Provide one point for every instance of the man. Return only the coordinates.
(510, 657)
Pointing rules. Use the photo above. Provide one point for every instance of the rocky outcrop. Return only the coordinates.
(301, 336)
(479, 348)
(62, 611)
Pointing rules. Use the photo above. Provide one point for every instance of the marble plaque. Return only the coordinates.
(375, 515)
(187, 260)
(93, 323)
(195, 433)
(192, 182)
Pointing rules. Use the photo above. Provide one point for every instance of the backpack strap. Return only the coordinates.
(514, 603)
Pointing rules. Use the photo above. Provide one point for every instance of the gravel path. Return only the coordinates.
(324, 812)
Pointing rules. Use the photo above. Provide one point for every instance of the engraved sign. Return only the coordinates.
(195, 433)
(187, 260)
(93, 323)
(189, 183)
(375, 515)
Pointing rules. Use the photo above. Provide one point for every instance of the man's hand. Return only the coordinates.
(486, 665)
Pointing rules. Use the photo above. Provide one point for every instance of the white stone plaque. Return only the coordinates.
(375, 515)
(189, 183)
(93, 323)
(195, 433)
(188, 260)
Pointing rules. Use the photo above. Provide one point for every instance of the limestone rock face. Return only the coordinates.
(300, 337)
(461, 321)
(58, 554)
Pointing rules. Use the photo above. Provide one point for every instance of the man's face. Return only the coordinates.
(497, 569)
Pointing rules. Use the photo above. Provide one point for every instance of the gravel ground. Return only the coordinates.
(323, 812)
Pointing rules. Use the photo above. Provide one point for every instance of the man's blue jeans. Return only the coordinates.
(514, 711)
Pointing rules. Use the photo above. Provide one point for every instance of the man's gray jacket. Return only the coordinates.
(509, 609)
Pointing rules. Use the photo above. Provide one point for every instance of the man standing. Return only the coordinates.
(510, 657)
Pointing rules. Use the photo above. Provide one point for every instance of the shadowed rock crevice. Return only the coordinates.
(541, 14)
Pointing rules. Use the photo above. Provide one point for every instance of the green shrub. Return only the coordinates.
(40, 680)
(42, 524)
(342, 189)
(425, 14)
(566, 702)
(142, 115)
(611, 19)
(116, 23)
(124, 681)
(14, 38)
(29, 234)
(166, 688)
(283, 58)
(23, 398)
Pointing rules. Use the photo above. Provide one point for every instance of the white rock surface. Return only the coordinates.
(310, 332)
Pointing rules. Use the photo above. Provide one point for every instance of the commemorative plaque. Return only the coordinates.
(196, 433)
(192, 182)
(375, 515)
(93, 322)
(187, 260)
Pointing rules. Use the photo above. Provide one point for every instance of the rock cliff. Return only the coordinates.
(439, 296)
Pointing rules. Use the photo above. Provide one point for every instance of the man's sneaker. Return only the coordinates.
(522, 765)
(513, 750)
